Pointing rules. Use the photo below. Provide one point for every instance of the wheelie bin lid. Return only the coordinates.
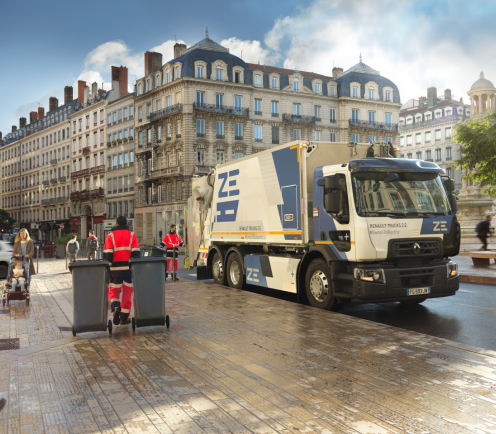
(85, 263)
(147, 259)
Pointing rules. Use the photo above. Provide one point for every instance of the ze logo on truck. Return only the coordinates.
(440, 226)
(227, 210)
(252, 274)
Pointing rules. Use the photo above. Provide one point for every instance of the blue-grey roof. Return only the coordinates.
(345, 80)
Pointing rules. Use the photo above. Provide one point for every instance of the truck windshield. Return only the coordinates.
(399, 194)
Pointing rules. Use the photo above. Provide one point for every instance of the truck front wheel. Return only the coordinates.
(218, 269)
(318, 285)
(235, 277)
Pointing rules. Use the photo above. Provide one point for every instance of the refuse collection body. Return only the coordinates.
(148, 275)
(90, 280)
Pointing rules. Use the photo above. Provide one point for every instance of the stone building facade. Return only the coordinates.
(426, 130)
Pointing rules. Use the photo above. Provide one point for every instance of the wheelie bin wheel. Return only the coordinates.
(110, 326)
(167, 322)
(73, 331)
(133, 324)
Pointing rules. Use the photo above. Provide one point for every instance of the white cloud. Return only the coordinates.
(249, 51)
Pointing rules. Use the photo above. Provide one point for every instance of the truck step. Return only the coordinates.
(342, 295)
(345, 276)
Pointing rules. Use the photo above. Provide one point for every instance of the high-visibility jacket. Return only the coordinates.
(171, 242)
(120, 246)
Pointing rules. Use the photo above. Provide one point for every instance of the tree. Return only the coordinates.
(6, 221)
(478, 150)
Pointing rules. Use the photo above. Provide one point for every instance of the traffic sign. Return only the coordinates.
(61, 226)
(15, 230)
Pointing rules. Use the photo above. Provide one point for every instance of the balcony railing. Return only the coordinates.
(97, 192)
(200, 134)
(53, 181)
(203, 170)
(332, 121)
(86, 150)
(430, 123)
(373, 125)
(53, 161)
(62, 178)
(75, 195)
(238, 137)
(167, 111)
(54, 200)
(219, 136)
(221, 109)
(97, 169)
(167, 171)
(298, 119)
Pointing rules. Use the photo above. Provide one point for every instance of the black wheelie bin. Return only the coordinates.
(149, 291)
(90, 287)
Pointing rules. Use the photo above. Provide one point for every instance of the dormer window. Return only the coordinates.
(257, 81)
(371, 94)
(448, 112)
(273, 84)
(178, 72)
(140, 89)
(168, 77)
(148, 85)
(199, 71)
(157, 81)
(355, 92)
(218, 74)
(428, 117)
(438, 115)
(317, 89)
(388, 95)
(296, 85)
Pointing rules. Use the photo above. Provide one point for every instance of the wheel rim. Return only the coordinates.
(234, 273)
(217, 269)
(319, 285)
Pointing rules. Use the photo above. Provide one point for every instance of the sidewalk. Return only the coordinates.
(472, 274)
(234, 362)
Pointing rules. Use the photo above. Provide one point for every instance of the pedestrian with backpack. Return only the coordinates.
(72, 248)
(91, 245)
(483, 231)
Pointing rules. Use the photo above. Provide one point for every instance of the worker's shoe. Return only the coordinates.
(117, 317)
(166, 275)
(124, 318)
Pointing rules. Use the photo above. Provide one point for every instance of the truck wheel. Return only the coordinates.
(235, 277)
(218, 269)
(318, 285)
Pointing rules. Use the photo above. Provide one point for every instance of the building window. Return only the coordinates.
(219, 100)
(296, 85)
(199, 71)
(388, 139)
(332, 115)
(219, 129)
(238, 131)
(200, 98)
(218, 74)
(149, 166)
(332, 91)
(387, 119)
(448, 172)
(371, 139)
(409, 140)
(332, 137)
(238, 155)
(428, 156)
(437, 135)
(200, 128)
(140, 114)
(427, 117)
(257, 81)
(355, 138)
(448, 153)
(168, 101)
(371, 94)
(418, 138)
(200, 158)
(388, 95)
(409, 156)
(159, 104)
(178, 72)
(219, 157)
(447, 133)
(354, 115)
(438, 154)
(258, 133)
(371, 117)
(419, 155)
(159, 134)
(296, 134)
(159, 193)
(274, 83)
(316, 111)
(427, 137)
(238, 102)
(296, 109)
(318, 136)
(317, 88)
(179, 190)
(355, 92)
(258, 106)
(275, 135)
(275, 108)
(150, 196)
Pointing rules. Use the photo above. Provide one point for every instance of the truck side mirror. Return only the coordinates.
(332, 182)
(449, 184)
(331, 202)
(453, 204)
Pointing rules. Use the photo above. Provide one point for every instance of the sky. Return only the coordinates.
(416, 44)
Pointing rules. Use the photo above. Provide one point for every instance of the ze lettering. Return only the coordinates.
(440, 226)
(232, 183)
(227, 211)
(252, 274)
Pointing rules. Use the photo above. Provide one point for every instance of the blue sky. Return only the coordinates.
(48, 45)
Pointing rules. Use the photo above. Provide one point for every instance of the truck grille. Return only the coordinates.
(415, 249)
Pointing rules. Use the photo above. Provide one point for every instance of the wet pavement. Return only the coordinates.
(235, 362)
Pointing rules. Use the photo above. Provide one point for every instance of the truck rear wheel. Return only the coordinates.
(235, 277)
(318, 285)
(218, 269)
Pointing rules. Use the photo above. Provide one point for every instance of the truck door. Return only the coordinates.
(289, 207)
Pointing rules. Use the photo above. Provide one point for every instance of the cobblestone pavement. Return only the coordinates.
(234, 362)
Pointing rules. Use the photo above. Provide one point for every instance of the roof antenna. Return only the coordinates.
(206, 33)
(241, 53)
(360, 57)
(174, 38)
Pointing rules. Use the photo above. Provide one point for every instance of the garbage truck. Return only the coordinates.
(331, 222)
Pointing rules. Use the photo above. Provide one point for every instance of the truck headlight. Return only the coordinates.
(452, 269)
(375, 275)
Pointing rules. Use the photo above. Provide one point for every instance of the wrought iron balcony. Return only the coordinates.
(167, 171)
(53, 181)
(97, 169)
(219, 136)
(62, 178)
(332, 121)
(46, 183)
(53, 161)
(298, 119)
(221, 109)
(203, 170)
(80, 173)
(86, 150)
(200, 134)
(168, 111)
(258, 112)
(238, 137)
(373, 125)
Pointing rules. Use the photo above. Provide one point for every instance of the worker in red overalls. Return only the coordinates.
(171, 241)
(120, 246)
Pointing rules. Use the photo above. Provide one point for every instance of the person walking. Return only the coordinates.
(483, 231)
(120, 246)
(171, 241)
(91, 245)
(23, 248)
(72, 248)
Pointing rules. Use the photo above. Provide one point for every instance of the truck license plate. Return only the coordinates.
(419, 291)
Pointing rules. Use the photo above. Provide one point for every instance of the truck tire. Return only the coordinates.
(318, 286)
(218, 269)
(234, 269)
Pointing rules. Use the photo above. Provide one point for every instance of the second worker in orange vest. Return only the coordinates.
(120, 246)
(171, 241)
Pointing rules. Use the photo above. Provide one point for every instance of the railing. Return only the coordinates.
(238, 137)
(62, 178)
(53, 161)
(275, 115)
(86, 150)
(298, 119)
(332, 121)
(167, 111)
(219, 136)
(373, 125)
(203, 169)
(221, 109)
(200, 134)
(97, 192)
(46, 183)
(430, 123)
(75, 195)
(258, 112)
(167, 171)
(60, 199)
(275, 142)
(97, 169)
(53, 181)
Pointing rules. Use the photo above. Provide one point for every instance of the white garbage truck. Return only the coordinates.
(331, 222)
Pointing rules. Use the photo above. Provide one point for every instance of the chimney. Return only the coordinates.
(100, 91)
(67, 94)
(53, 103)
(431, 96)
(336, 71)
(461, 100)
(41, 112)
(86, 95)
(178, 48)
(33, 116)
(447, 94)
(0, 135)
(119, 80)
(81, 86)
(94, 90)
(14, 128)
(422, 101)
(153, 62)
(22, 123)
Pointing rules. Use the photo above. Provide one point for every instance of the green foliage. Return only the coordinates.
(6, 221)
(478, 151)
(66, 239)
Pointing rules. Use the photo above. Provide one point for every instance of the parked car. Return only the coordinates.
(6, 249)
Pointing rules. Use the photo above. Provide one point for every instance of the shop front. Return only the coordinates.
(49, 230)
(152, 223)
(110, 223)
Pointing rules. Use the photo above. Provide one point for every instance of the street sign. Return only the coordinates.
(15, 230)
(61, 226)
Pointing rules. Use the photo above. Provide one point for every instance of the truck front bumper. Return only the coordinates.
(398, 282)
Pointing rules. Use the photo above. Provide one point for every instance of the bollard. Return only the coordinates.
(66, 254)
(37, 259)
(173, 263)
